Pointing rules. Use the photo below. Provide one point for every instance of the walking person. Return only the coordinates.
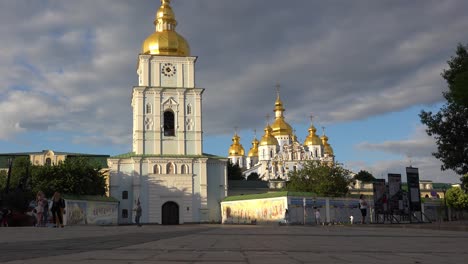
(286, 216)
(39, 208)
(58, 205)
(317, 216)
(45, 214)
(138, 212)
(363, 208)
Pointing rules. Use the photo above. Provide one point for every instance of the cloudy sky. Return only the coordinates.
(365, 69)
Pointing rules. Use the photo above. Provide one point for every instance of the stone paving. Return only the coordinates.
(232, 244)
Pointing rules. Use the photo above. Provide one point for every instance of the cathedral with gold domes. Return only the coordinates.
(278, 152)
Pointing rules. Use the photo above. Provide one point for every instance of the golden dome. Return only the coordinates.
(281, 127)
(312, 138)
(165, 40)
(327, 149)
(268, 139)
(236, 148)
(253, 152)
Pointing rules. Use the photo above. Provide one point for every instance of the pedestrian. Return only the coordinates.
(317, 216)
(58, 205)
(138, 212)
(286, 216)
(363, 208)
(4, 214)
(45, 214)
(39, 208)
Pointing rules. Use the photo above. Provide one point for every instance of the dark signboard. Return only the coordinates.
(379, 195)
(395, 198)
(414, 193)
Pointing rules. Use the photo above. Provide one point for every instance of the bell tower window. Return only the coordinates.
(148, 109)
(169, 130)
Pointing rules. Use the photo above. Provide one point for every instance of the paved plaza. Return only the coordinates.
(233, 244)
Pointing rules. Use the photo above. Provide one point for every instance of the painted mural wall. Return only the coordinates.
(79, 212)
(257, 210)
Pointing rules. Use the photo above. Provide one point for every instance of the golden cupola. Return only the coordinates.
(312, 138)
(268, 139)
(165, 40)
(236, 148)
(327, 149)
(280, 126)
(253, 152)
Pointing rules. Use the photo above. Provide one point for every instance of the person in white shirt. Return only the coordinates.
(363, 208)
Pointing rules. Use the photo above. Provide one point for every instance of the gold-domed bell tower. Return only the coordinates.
(236, 151)
(165, 40)
(167, 110)
(281, 130)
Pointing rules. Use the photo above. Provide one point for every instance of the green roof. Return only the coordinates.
(268, 195)
(133, 155)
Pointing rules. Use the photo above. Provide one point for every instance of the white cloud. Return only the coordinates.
(414, 151)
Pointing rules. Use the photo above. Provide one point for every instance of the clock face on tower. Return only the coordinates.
(168, 69)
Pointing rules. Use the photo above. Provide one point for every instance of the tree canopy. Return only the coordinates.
(364, 176)
(321, 179)
(73, 176)
(234, 172)
(449, 126)
(456, 198)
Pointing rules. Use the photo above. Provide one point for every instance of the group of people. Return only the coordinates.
(362, 208)
(56, 206)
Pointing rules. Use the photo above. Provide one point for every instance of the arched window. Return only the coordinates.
(149, 109)
(157, 169)
(124, 195)
(183, 169)
(189, 109)
(170, 168)
(48, 162)
(169, 130)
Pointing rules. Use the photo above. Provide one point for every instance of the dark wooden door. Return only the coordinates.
(170, 214)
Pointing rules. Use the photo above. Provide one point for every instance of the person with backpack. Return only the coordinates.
(58, 205)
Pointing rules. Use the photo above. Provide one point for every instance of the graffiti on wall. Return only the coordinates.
(248, 211)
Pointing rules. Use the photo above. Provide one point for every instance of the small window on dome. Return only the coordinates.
(149, 109)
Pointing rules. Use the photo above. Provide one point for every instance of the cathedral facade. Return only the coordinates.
(278, 152)
(167, 171)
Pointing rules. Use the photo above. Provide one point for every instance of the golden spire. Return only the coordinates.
(280, 126)
(312, 138)
(253, 152)
(165, 40)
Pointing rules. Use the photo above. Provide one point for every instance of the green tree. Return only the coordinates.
(449, 126)
(253, 177)
(74, 176)
(19, 172)
(364, 176)
(234, 172)
(321, 179)
(456, 198)
(464, 183)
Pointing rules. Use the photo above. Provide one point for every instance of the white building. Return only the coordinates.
(279, 152)
(167, 171)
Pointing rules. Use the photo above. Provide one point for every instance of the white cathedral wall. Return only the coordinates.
(217, 187)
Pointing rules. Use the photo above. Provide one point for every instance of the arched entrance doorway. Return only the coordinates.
(170, 214)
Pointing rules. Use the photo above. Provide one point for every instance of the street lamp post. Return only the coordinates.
(10, 163)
